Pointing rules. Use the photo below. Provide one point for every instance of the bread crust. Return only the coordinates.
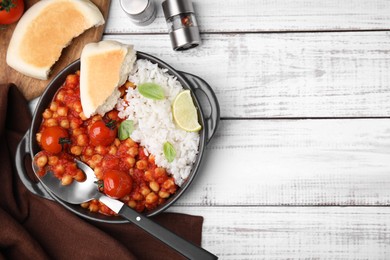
(104, 67)
(45, 30)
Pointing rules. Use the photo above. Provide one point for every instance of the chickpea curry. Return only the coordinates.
(123, 168)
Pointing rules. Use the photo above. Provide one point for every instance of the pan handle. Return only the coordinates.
(184, 247)
(211, 120)
(34, 187)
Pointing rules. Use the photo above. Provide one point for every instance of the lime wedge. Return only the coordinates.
(184, 112)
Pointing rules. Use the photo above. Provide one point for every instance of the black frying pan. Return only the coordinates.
(29, 146)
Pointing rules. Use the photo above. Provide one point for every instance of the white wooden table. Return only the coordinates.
(300, 165)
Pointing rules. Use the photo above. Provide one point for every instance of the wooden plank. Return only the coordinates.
(266, 16)
(295, 233)
(295, 162)
(286, 75)
(32, 87)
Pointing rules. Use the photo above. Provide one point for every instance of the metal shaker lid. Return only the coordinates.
(175, 7)
(139, 11)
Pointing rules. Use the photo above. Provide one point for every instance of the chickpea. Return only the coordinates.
(132, 204)
(93, 207)
(113, 115)
(53, 160)
(125, 198)
(64, 123)
(84, 205)
(130, 161)
(38, 136)
(117, 142)
(82, 116)
(88, 151)
(74, 124)
(41, 161)
(163, 194)
(168, 184)
(62, 111)
(97, 158)
(137, 196)
(78, 131)
(159, 172)
(66, 180)
(61, 95)
(77, 107)
(151, 159)
(96, 118)
(100, 149)
(76, 150)
(99, 173)
(142, 164)
(82, 140)
(112, 150)
(145, 191)
(71, 79)
(47, 114)
(51, 122)
(151, 198)
(173, 189)
(59, 169)
(133, 151)
(53, 106)
(149, 175)
(92, 163)
(130, 143)
(79, 176)
(154, 186)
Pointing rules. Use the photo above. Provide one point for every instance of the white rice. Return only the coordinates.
(153, 121)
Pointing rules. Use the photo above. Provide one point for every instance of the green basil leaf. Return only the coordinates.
(169, 152)
(125, 129)
(151, 90)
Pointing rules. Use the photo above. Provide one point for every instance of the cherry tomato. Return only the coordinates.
(10, 11)
(117, 184)
(54, 138)
(101, 133)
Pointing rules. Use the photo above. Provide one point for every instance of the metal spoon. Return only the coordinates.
(79, 192)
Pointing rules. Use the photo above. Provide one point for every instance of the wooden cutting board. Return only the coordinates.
(31, 87)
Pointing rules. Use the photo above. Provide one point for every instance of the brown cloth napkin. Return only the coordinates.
(35, 228)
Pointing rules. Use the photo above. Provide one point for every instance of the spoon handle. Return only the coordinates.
(181, 245)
